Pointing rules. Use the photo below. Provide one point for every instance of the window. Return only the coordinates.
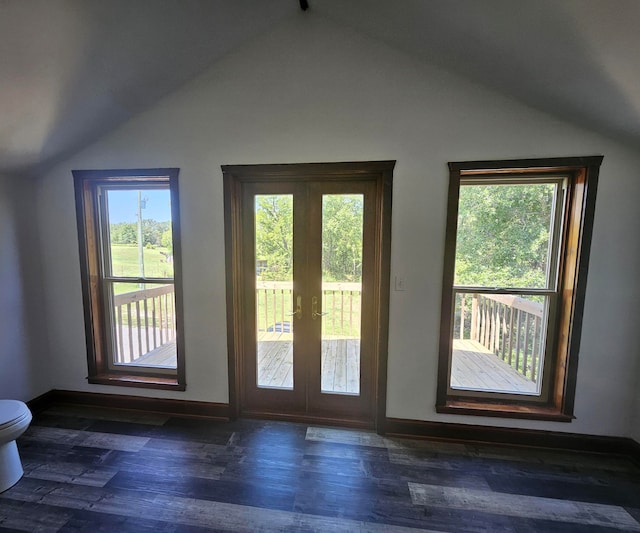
(128, 224)
(517, 247)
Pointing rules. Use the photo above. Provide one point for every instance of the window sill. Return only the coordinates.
(133, 380)
(531, 412)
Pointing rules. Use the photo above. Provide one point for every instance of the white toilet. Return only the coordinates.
(14, 420)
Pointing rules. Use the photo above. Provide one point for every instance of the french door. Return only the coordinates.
(307, 337)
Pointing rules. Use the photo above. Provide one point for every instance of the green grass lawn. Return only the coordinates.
(124, 260)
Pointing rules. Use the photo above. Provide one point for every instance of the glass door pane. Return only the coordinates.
(340, 308)
(274, 290)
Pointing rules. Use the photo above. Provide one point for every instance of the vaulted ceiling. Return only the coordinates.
(72, 70)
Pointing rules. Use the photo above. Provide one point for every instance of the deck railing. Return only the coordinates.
(341, 302)
(508, 326)
(144, 320)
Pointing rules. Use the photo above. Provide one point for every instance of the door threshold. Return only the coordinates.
(301, 418)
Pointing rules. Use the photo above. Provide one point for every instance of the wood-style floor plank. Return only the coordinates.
(558, 510)
(97, 470)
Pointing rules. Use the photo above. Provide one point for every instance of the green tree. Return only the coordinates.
(127, 232)
(152, 231)
(503, 235)
(274, 235)
(342, 237)
(167, 240)
(123, 233)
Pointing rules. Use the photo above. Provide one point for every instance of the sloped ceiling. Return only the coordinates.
(72, 70)
(576, 59)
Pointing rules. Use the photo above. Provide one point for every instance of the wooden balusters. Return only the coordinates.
(142, 318)
(341, 301)
(507, 325)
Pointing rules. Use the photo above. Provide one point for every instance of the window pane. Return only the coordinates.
(498, 342)
(143, 324)
(504, 235)
(274, 290)
(342, 223)
(140, 240)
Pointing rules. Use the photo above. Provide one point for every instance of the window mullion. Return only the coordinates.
(555, 247)
(503, 290)
(118, 279)
(103, 231)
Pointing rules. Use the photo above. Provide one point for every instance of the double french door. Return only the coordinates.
(307, 262)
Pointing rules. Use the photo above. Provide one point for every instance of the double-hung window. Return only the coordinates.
(130, 258)
(516, 257)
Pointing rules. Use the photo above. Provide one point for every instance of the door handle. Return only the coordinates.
(298, 312)
(314, 308)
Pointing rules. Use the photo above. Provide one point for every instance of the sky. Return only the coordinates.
(123, 205)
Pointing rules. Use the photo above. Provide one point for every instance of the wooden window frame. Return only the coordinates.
(581, 174)
(100, 369)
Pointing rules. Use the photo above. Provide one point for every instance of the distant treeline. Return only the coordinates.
(154, 233)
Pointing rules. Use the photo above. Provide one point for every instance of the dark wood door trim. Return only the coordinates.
(234, 176)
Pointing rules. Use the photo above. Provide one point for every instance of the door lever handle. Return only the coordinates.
(298, 312)
(314, 308)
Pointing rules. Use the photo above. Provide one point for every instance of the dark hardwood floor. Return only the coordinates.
(95, 470)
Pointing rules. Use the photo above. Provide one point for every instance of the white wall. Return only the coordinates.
(22, 332)
(313, 91)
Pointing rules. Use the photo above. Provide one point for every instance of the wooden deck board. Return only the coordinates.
(275, 360)
(474, 367)
(353, 367)
(340, 363)
(339, 383)
(328, 366)
(164, 355)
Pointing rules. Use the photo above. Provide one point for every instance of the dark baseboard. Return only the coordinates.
(309, 419)
(398, 427)
(41, 402)
(393, 427)
(217, 411)
(634, 450)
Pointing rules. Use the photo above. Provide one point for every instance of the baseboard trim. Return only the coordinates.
(309, 419)
(40, 403)
(398, 427)
(393, 427)
(166, 406)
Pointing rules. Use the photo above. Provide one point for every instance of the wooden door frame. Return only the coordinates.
(233, 178)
